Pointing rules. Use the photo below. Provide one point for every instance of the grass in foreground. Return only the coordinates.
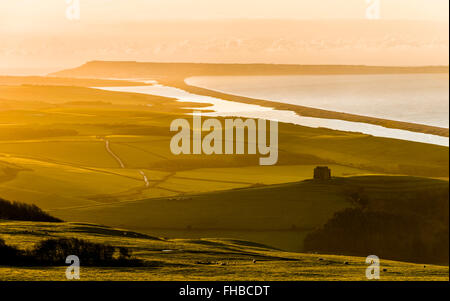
(199, 259)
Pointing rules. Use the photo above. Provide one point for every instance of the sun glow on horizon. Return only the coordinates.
(41, 36)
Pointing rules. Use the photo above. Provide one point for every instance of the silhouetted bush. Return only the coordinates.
(8, 253)
(359, 232)
(53, 252)
(24, 212)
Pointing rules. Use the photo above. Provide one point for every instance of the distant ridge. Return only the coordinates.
(132, 69)
(174, 74)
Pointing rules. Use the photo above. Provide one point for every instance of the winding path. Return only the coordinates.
(147, 182)
(122, 165)
(108, 149)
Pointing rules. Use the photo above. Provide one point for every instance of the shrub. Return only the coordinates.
(358, 232)
(8, 254)
(53, 252)
(24, 212)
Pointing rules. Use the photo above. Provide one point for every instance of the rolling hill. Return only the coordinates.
(197, 259)
(61, 148)
(278, 215)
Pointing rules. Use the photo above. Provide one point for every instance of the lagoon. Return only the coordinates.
(225, 108)
(415, 98)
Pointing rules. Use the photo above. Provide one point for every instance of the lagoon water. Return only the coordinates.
(417, 98)
(225, 108)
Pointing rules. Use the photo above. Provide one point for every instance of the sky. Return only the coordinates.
(39, 34)
(32, 14)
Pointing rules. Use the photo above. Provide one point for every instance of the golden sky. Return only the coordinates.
(37, 33)
(37, 13)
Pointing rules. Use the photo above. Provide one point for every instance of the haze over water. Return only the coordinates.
(416, 98)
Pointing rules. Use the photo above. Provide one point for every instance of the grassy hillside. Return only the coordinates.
(53, 153)
(198, 259)
(56, 146)
(278, 215)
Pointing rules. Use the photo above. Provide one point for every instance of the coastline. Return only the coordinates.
(218, 107)
(175, 74)
(308, 111)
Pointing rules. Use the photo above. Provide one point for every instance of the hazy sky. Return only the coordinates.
(36, 13)
(37, 33)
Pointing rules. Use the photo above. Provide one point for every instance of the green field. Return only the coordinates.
(278, 215)
(54, 139)
(211, 259)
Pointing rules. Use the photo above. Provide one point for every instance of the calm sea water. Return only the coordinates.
(417, 98)
(225, 108)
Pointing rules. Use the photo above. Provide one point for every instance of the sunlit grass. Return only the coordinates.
(202, 259)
